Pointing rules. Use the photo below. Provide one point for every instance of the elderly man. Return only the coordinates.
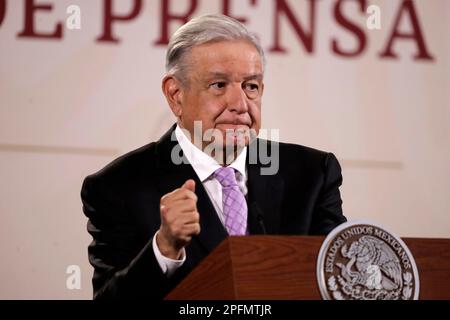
(153, 218)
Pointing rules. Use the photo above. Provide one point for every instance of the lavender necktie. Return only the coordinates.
(233, 200)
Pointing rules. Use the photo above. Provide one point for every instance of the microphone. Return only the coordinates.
(259, 217)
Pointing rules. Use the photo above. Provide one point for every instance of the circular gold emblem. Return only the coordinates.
(363, 261)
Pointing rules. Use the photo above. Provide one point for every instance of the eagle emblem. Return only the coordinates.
(366, 262)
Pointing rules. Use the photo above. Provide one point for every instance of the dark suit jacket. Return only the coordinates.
(122, 204)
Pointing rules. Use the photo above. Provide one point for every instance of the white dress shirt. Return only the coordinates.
(204, 166)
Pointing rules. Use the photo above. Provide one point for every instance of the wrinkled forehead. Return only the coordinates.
(227, 58)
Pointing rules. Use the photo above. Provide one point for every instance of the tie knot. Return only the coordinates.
(226, 176)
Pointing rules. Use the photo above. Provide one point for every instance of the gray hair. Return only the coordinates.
(201, 30)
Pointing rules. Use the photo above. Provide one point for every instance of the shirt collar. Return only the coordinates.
(204, 165)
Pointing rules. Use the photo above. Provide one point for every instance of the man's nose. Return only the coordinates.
(237, 99)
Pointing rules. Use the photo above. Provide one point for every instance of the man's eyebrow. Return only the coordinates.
(214, 74)
(257, 76)
(222, 75)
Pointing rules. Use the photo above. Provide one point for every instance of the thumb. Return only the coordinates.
(190, 185)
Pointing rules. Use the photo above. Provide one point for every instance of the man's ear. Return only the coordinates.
(172, 89)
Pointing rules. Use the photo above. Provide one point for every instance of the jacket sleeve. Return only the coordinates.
(124, 266)
(328, 210)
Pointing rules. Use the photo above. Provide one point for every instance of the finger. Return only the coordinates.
(180, 218)
(182, 231)
(192, 217)
(181, 205)
(189, 185)
(191, 229)
(179, 194)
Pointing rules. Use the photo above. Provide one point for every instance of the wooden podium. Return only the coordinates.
(284, 267)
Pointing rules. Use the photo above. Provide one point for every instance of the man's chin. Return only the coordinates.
(236, 142)
(229, 144)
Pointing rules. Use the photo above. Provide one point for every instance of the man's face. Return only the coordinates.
(224, 90)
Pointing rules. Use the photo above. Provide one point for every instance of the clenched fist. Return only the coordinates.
(180, 220)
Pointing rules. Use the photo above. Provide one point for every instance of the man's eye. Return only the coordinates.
(218, 85)
(252, 86)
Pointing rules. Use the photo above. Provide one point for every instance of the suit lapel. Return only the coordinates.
(173, 176)
(264, 198)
